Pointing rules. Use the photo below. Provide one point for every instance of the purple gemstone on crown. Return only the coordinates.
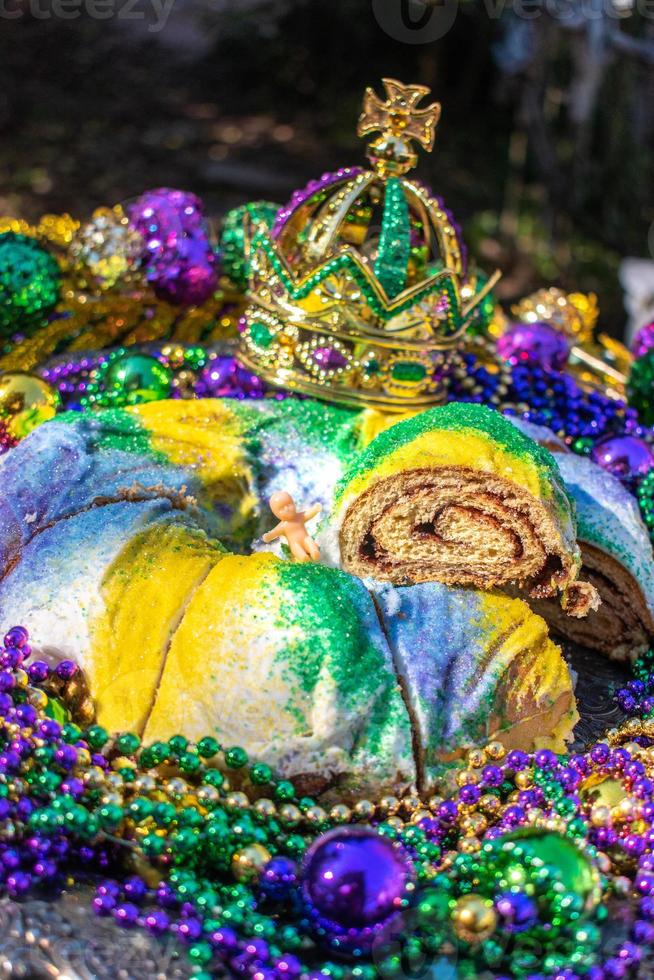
(328, 358)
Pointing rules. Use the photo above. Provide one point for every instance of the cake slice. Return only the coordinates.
(616, 553)
(457, 495)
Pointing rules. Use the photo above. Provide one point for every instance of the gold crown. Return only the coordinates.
(360, 287)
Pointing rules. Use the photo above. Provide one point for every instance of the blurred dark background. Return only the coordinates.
(544, 151)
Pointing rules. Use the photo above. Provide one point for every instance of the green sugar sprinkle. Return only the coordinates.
(325, 605)
(116, 429)
(455, 417)
(301, 422)
(328, 607)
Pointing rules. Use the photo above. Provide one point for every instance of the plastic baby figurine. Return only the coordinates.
(292, 526)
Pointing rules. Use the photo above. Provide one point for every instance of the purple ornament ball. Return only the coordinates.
(16, 637)
(188, 278)
(249, 384)
(643, 340)
(178, 258)
(517, 910)
(278, 878)
(624, 456)
(354, 882)
(217, 378)
(537, 342)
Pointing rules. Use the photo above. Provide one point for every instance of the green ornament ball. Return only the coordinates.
(640, 387)
(30, 283)
(521, 857)
(232, 239)
(134, 378)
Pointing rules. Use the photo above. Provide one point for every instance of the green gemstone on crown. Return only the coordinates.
(408, 371)
(261, 334)
(372, 367)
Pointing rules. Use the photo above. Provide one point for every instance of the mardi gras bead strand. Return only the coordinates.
(231, 879)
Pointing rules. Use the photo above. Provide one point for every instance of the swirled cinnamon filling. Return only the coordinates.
(458, 526)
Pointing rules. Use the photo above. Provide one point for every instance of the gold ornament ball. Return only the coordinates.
(467, 776)
(600, 815)
(236, 801)
(489, 804)
(474, 824)
(25, 402)
(37, 698)
(476, 758)
(474, 918)
(523, 780)
(248, 862)
(495, 750)
(411, 803)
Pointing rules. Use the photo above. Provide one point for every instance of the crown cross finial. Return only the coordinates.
(399, 121)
